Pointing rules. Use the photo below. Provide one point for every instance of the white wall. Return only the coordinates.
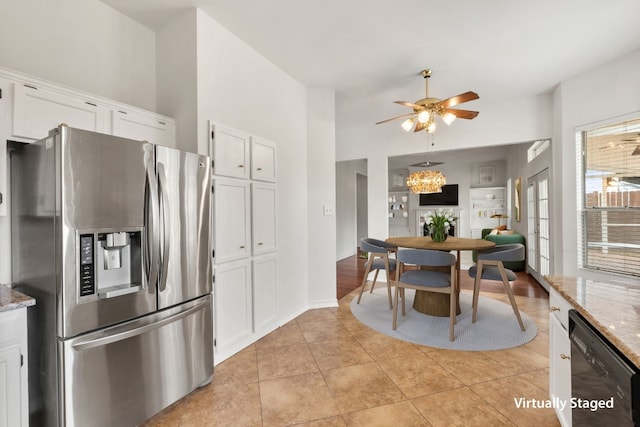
(601, 93)
(239, 88)
(177, 78)
(82, 44)
(321, 187)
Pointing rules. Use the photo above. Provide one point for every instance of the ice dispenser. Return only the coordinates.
(110, 264)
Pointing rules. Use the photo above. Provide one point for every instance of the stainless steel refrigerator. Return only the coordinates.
(112, 238)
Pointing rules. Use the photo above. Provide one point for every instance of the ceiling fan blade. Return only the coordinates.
(420, 126)
(394, 118)
(459, 99)
(410, 105)
(462, 114)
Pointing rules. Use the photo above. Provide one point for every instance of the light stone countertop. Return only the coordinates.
(11, 299)
(612, 308)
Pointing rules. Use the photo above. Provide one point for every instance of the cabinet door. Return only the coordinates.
(560, 368)
(231, 216)
(264, 293)
(229, 149)
(10, 387)
(263, 218)
(263, 160)
(233, 298)
(156, 130)
(36, 111)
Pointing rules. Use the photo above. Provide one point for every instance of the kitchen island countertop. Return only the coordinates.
(11, 299)
(612, 308)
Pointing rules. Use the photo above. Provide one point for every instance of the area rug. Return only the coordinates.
(496, 327)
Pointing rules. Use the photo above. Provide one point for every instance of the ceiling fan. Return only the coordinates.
(624, 142)
(426, 109)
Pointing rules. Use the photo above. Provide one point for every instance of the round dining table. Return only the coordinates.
(434, 303)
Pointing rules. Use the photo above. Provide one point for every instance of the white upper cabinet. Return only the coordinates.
(263, 160)
(263, 218)
(151, 128)
(37, 110)
(229, 151)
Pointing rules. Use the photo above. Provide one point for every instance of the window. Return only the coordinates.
(537, 148)
(609, 209)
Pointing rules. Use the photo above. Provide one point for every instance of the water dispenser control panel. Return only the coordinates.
(87, 263)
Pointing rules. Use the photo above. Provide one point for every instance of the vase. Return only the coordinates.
(438, 234)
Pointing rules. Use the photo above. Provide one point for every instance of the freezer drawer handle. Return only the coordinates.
(102, 341)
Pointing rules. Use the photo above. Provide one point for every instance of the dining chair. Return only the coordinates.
(379, 259)
(490, 267)
(426, 280)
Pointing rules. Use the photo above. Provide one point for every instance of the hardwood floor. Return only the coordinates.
(350, 271)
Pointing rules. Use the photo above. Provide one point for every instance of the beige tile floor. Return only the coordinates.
(325, 368)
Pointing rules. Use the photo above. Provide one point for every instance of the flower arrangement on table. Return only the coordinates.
(438, 223)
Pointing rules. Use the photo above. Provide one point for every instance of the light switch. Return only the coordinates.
(328, 210)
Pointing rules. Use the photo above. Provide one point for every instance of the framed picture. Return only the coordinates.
(517, 203)
(397, 180)
(487, 174)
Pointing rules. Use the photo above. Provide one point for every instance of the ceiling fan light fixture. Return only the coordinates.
(407, 125)
(426, 181)
(426, 109)
(424, 116)
(448, 118)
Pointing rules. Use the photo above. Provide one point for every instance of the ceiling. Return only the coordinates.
(501, 49)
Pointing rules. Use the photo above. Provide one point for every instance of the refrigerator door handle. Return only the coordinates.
(151, 223)
(166, 224)
(105, 338)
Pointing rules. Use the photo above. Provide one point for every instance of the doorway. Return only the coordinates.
(539, 226)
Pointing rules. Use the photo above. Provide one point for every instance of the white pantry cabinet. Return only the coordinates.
(265, 306)
(244, 237)
(229, 151)
(14, 398)
(231, 219)
(560, 355)
(234, 301)
(263, 218)
(263, 160)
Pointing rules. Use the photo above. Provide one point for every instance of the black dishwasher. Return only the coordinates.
(604, 384)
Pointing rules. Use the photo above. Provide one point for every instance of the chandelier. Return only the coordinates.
(426, 181)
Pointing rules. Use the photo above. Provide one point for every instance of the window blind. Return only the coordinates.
(611, 198)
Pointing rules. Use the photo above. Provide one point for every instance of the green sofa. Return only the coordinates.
(505, 239)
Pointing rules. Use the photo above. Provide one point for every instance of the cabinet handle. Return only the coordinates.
(259, 169)
(552, 309)
(240, 166)
(259, 243)
(564, 356)
(242, 247)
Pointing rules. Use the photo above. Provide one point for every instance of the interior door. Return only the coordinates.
(538, 220)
